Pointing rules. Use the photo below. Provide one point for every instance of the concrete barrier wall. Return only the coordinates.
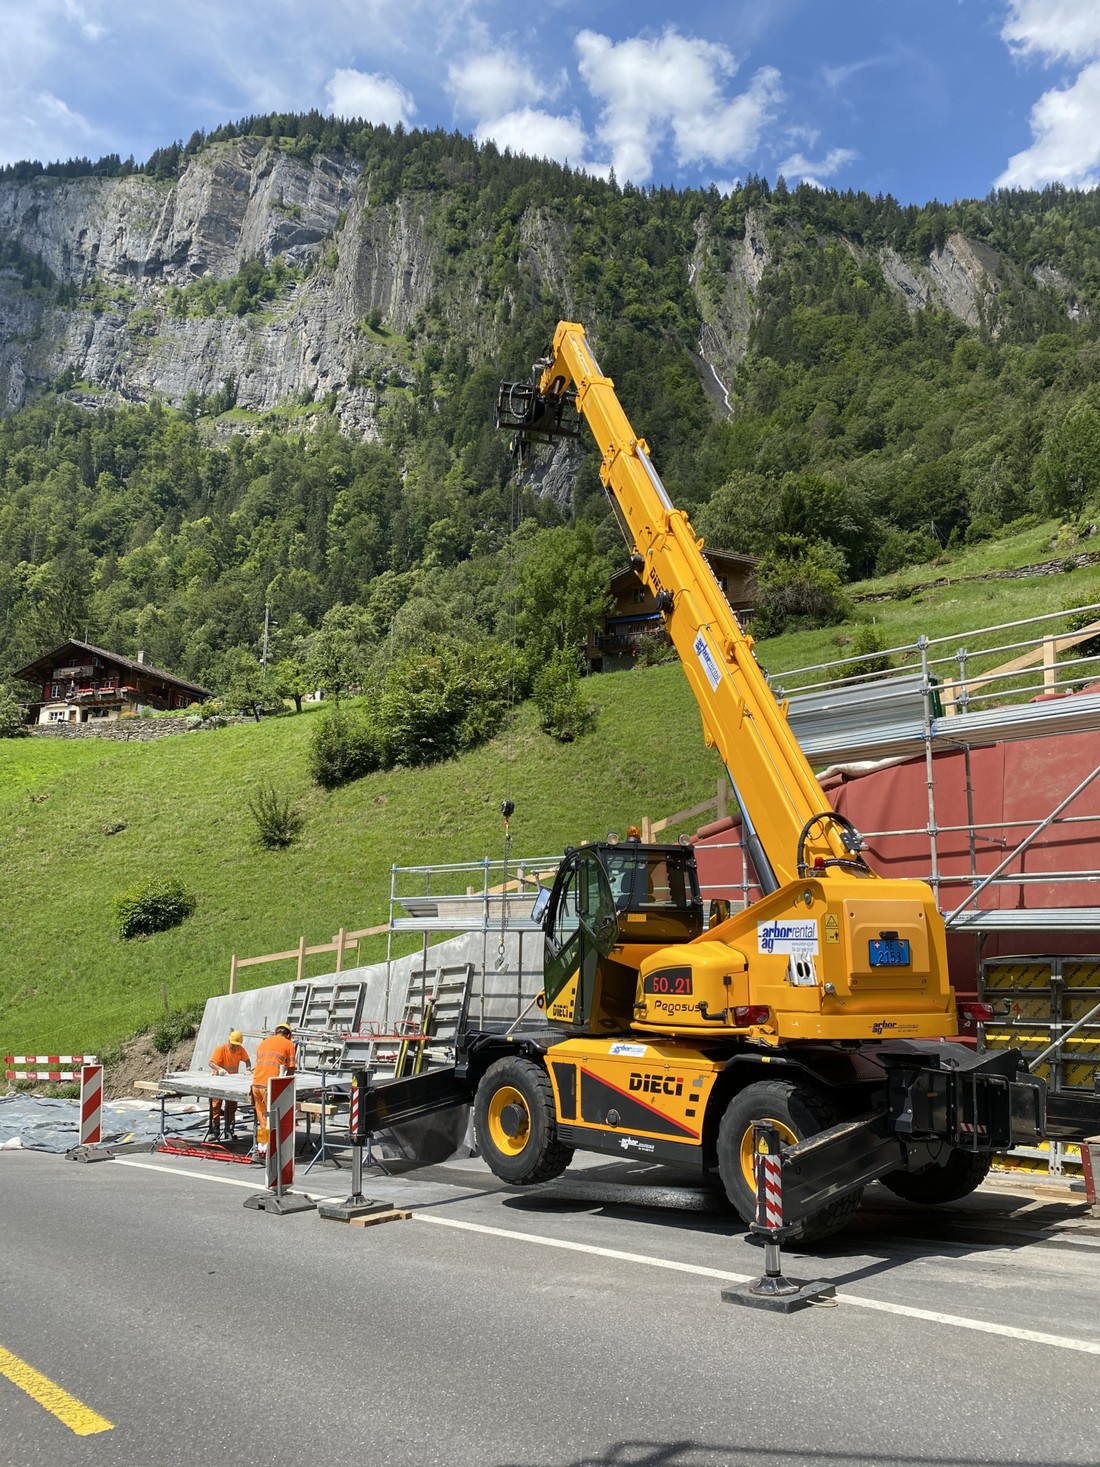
(507, 976)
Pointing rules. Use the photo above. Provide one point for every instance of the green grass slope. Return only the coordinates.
(69, 983)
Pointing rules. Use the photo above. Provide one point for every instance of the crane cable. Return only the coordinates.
(507, 804)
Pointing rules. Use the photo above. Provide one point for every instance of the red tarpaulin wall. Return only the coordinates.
(1020, 781)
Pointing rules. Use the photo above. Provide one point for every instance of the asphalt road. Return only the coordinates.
(580, 1324)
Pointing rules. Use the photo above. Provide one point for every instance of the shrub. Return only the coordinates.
(343, 746)
(797, 588)
(436, 706)
(564, 712)
(869, 645)
(276, 819)
(152, 906)
(11, 716)
(178, 1027)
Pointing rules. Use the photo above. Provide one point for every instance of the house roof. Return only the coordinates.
(34, 671)
(728, 557)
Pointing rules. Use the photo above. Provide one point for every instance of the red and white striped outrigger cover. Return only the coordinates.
(769, 1189)
(54, 1061)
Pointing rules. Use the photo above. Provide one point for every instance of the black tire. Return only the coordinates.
(964, 1173)
(517, 1132)
(799, 1111)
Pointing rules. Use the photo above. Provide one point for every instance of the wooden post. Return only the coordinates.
(301, 958)
(233, 974)
(723, 795)
(647, 830)
(340, 938)
(1050, 654)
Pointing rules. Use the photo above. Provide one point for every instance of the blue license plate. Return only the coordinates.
(887, 954)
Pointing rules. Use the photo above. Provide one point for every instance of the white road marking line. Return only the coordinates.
(255, 1185)
(175, 1171)
(906, 1311)
(670, 1263)
(983, 1326)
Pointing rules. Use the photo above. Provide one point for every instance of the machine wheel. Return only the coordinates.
(965, 1171)
(797, 1111)
(517, 1130)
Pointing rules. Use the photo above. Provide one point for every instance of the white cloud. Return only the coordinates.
(1065, 121)
(1066, 127)
(836, 77)
(537, 134)
(368, 95)
(674, 86)
(799, 166)
(91, 30)
(1053, 29)
(494, 83)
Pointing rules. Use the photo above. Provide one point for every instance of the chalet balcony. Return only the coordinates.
(625, 642)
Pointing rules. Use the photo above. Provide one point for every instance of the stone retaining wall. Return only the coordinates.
(141, 729)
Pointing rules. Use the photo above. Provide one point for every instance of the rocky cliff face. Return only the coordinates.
(120, 243)
(118, 247)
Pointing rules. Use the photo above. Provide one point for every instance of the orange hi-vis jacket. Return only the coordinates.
(230, 1057)
(271, 1054)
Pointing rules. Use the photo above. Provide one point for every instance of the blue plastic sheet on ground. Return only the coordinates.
(45, 1123)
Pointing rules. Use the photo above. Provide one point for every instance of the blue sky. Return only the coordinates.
(944, 98)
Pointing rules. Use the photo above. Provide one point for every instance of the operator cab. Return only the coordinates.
(605, 897)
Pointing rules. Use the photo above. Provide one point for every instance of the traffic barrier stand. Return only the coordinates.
(772, 1290)
(90, 1146)
(280, 1154)
(356, 1206)
(91, 1105)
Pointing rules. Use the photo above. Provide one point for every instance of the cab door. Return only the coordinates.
(581, 929)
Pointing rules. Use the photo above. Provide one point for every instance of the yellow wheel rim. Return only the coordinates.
(786, 1135)
(510, 1145)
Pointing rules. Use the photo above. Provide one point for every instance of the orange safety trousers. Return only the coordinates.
(259, 1100)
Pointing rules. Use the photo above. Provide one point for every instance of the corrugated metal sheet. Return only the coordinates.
(887, 720)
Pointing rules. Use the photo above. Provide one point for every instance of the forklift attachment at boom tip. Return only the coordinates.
(535, 417)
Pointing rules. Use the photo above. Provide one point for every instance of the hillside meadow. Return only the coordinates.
(67, 982)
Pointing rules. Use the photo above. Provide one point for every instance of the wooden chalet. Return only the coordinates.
(80, 683)
(634, 623)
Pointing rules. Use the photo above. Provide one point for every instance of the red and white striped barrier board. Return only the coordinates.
(280, 1120)
(353, 1117)
(91, 1105)
(54, 1063)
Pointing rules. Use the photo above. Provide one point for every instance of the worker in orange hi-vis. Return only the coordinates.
(227, 1059)
(275, 1056)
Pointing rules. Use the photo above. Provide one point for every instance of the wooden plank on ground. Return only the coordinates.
(396, 1214)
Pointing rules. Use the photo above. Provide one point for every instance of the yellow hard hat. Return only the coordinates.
(283, 1024)
(235, 1036)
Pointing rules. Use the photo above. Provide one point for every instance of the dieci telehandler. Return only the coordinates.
(824, 1006)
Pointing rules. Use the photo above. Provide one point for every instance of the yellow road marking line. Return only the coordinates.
(69, 1411)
